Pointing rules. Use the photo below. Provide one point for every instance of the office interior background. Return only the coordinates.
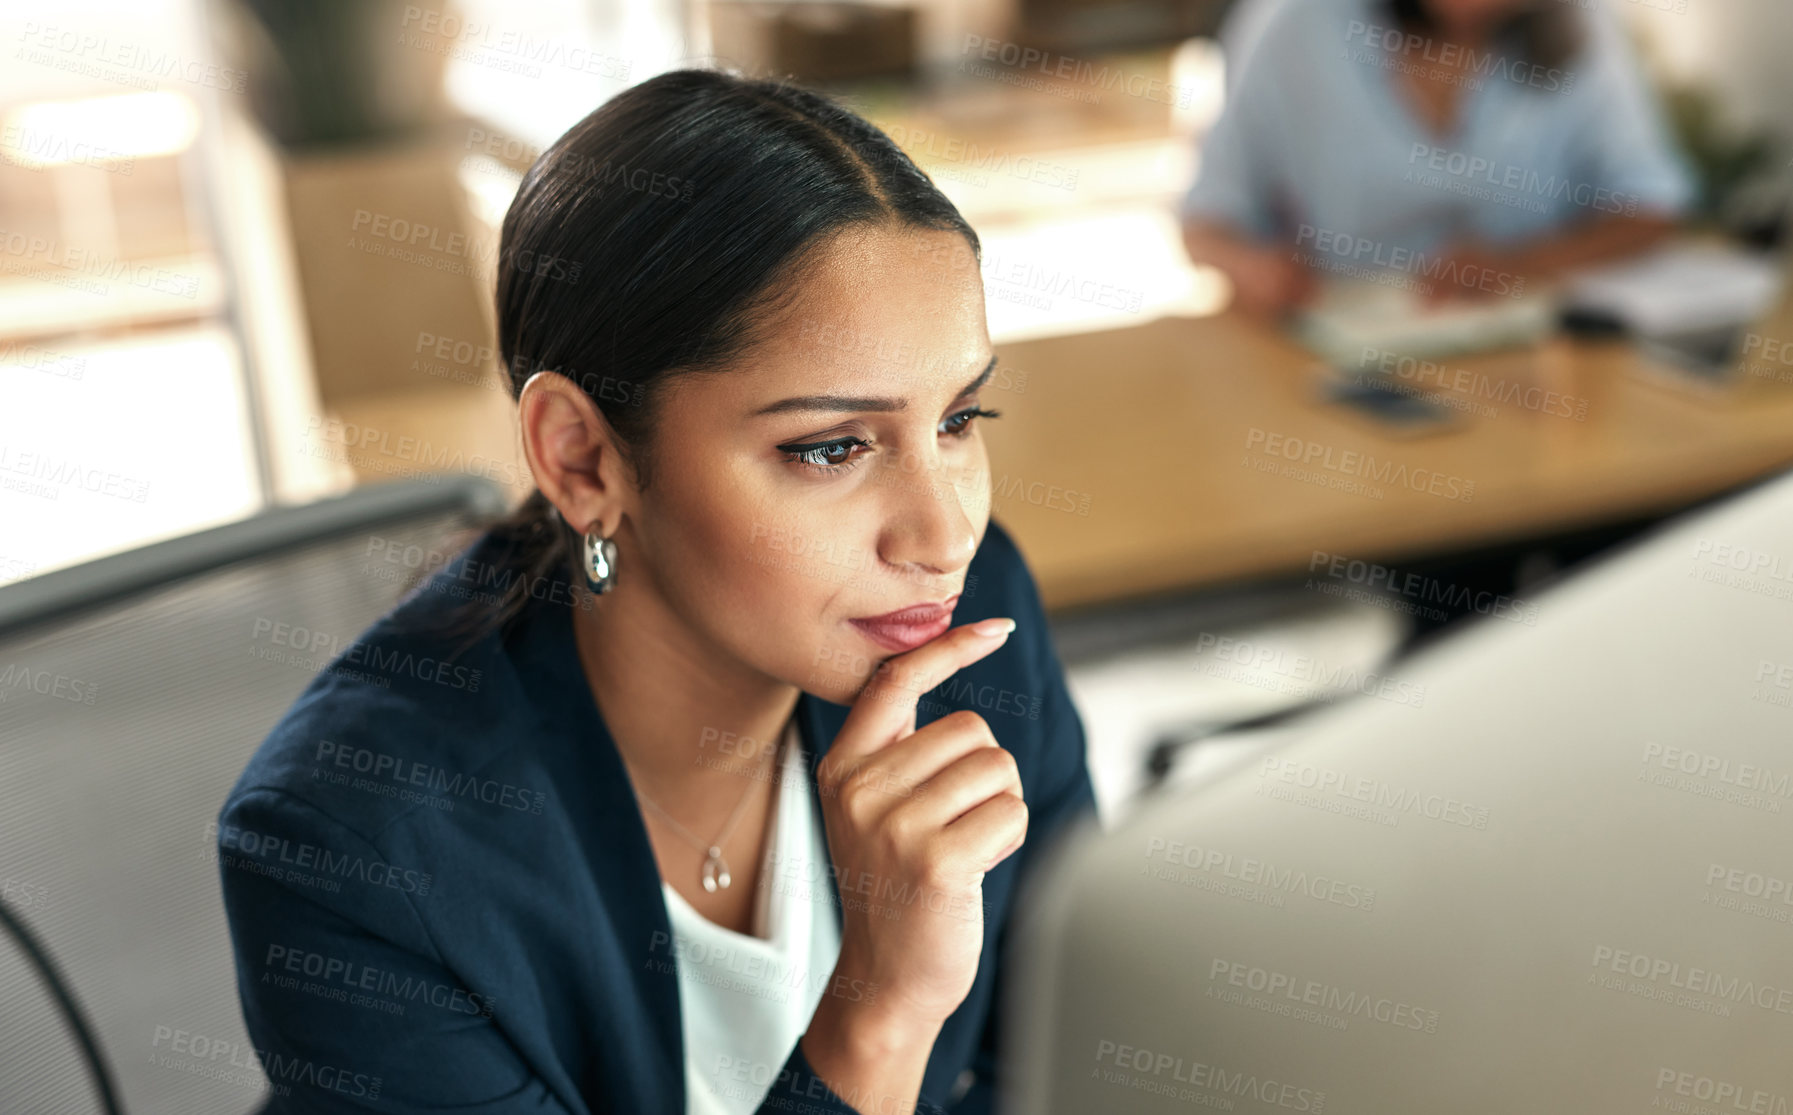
(249, 398)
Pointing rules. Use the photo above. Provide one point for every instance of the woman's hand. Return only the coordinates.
(914, 820)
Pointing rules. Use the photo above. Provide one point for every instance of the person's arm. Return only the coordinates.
(1472, 270)
(1227, 215)
(867, 1053)
(1267, 280)
(1584, 245)
(958, 813)
(314, 949)
(858, 1050)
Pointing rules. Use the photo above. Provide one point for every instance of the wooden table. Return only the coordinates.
(1152, 458)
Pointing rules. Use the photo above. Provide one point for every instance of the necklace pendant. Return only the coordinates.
(715, 871)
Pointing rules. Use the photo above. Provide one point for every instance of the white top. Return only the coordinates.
(745, 1000)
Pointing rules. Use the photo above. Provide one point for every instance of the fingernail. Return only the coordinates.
(993, 627)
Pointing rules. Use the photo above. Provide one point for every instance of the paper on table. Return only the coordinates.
(1352, 317)
(1681, 288)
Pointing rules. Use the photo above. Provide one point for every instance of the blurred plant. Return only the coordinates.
(1728, 162)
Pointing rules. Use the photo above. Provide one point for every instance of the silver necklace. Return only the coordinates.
(715, 867)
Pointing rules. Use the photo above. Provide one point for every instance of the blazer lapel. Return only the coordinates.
(636, 957)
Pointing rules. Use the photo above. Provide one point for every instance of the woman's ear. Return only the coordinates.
(573, 453)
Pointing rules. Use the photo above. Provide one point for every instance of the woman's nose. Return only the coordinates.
(928, 527)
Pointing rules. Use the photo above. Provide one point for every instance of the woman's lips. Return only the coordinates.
(908, 628)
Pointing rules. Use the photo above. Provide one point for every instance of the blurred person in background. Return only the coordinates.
(1460, 139)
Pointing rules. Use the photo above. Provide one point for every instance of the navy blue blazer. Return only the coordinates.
(442, 896)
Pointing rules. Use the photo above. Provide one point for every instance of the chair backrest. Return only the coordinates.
(132, 692)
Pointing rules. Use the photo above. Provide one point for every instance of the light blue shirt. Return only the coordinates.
(1319, 144)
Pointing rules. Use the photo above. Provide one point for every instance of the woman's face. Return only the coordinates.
(837, 474)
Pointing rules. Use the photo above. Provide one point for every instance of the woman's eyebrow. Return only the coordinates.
(862, 402)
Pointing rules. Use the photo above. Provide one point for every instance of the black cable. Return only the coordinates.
(71, 1011)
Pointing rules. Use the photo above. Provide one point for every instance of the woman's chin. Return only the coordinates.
(836, 690)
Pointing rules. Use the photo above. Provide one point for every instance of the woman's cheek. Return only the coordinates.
(807, 561)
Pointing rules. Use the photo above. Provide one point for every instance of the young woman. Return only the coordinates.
(722, 807)
(1477, 145)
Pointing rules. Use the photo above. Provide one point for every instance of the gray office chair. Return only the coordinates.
(132, 691)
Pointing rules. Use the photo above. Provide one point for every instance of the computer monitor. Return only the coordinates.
(1561, 883)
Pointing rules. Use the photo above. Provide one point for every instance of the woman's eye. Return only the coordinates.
(959, 425)
(841, 454)
(826, 456)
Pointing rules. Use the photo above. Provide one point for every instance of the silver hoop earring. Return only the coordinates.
(600, 561)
